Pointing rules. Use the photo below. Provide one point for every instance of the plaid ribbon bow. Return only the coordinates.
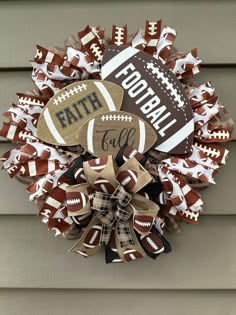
(109, 206)
(111, 209)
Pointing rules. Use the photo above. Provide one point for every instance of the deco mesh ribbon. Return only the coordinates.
(128, 220)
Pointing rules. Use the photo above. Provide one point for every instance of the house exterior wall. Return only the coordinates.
(37, 274)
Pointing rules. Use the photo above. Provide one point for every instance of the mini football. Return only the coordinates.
(80, 176)
(73, 106)
(76, 201)
(92, 238)
(82, 220)
(101, 184)
(128, 179)
(132, 254)
(99, 164)
(152, 92)
(143, 223)
(152, 243)
(107, 133)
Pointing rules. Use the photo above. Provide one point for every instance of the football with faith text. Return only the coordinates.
(152, 92)
(73, 106)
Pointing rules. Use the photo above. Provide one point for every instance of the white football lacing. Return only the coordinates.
(68, 93)
(30, 101)
(116, 118)
(119, 36)
(165, 81)
(97, 51)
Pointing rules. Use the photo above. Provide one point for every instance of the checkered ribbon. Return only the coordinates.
(111, 208)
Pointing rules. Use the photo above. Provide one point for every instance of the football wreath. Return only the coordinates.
(116, 139)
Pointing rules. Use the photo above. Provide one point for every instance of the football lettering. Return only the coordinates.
(149, 104)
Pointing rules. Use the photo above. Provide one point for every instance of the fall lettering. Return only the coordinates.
(111, 138)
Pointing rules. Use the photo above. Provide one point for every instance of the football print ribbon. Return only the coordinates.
(110, 199)
(108, 205)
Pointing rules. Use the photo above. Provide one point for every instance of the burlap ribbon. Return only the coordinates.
(110, 207)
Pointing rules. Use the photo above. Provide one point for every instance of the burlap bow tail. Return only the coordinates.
(111, 210)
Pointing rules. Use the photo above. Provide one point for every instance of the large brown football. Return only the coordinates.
(152, 92)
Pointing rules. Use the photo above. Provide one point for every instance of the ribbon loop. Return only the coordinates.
(103, 204)
(106, 217)
(121, 196)
(124, 235)
(106, 234)
(145, 211)
(102, 201)
(133, 176)
(122, 215)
